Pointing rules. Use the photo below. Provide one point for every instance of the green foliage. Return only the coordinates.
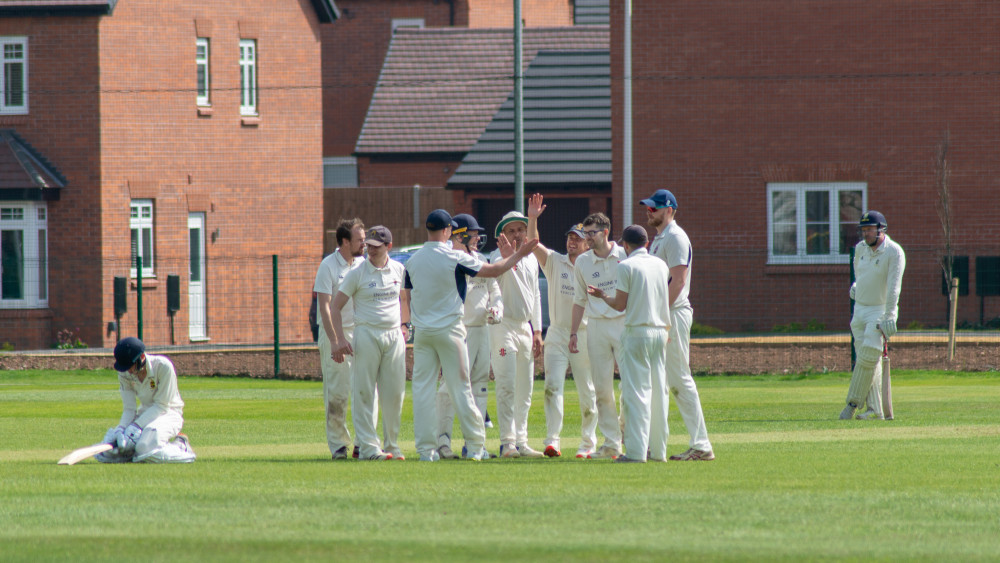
(812, 326)
(791, 482)
(6, 347)
(915, 325)
(67, 339)
(698, 329)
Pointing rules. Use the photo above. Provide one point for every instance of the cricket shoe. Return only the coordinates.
(509, 451)
(605, 452)
(183, 441)
(340, 454)
(870, 414)
(477, 456)
(434, 456)
(528, 451)
(356, 452)
(848, 412)
(382, 456)
(446, 453)
(552, 451)
(486, 421)
(694, 455)
(489, 454)
(583, 453)
(624, 459)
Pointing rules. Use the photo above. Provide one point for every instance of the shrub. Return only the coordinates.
(67, 339)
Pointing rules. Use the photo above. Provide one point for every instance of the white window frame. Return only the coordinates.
(202, 57)
(248, 77)
(800, 189)
(407, 22)
(141, 221)
(6, 42)
(31, 219)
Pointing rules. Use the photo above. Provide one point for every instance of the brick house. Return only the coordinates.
(776, 123)
(190, 133)
(414, 39)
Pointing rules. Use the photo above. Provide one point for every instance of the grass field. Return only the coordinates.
(791, 482)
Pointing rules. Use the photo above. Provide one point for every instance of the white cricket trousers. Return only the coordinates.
(604, 342)
(557, 358)
(866, 381)
(336, 390)
(514, 372)
(156, 444)
(680, 381)
(644, 392)
(477, 341)
(379, 363)
(443, 350)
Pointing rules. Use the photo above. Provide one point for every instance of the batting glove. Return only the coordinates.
(126, 443)
(889, 327)
(854, 289)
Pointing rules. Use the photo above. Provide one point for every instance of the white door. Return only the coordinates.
(196, 277)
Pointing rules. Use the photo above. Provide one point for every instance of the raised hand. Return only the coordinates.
(505, 246)
(535, 205)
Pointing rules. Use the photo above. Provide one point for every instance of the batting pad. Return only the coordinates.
(869, 354)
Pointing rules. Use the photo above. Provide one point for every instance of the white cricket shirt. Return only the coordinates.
(562, 286)
(522, 300)
(157, 393)
(601, 273)
(879, 274)
(482, 294)
(436, 275)
(644, 278)
(330, 275)
(375, 293)
(674, 247)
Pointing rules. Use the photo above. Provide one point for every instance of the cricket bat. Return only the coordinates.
(83, 453)
(886, 382)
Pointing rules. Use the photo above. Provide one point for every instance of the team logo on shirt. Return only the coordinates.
(503, 352)
(564, 276)
(595, 275)
(152, 384)
(372, 284)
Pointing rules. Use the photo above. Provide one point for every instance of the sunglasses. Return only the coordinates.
(591, 234)
(655, 209)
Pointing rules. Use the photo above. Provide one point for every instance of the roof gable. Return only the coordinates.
(440, 88)
(567, 126)
(24, 168)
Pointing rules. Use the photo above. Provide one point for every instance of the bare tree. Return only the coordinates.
(942, 171)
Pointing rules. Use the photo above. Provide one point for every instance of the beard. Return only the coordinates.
(655, 221)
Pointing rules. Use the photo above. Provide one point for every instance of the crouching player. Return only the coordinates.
(151, 433)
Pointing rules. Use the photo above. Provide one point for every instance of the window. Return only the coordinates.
(14, 79)
(141, 222)
(813, 223)
(204, 78)
(24, 280)
(417, 23)
(340, 172)
(248, 77)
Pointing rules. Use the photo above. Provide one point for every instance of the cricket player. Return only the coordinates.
(878, 270)
(436, 279)
(483, 307)
(337, 376)
(558, 269)
(516, 341)
(671, 244)
(598, 267)
(641, 291)
(379, 344)
(150, 433)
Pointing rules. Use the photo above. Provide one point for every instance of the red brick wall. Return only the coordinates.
(62, 125)
(729, 95)
(259, 185)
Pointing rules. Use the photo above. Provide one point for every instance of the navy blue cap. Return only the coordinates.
(466, 223)
(662, 198)
(577, 230)
(439, 219)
